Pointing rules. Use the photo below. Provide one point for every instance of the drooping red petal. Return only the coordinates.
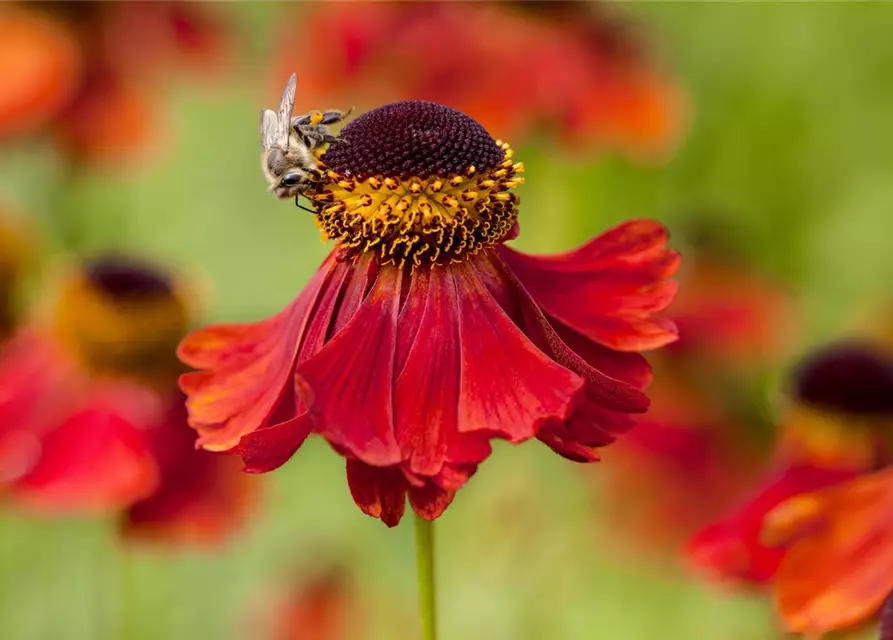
(427, 389)
(430, 501)
(351, 378)
(248, 370)
(508, 386)
(604, 408)
(269, 448)
(95, 460)
(610, 289)
(379, 492)
(631, 368)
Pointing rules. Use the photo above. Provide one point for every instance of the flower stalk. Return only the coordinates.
(424, 547)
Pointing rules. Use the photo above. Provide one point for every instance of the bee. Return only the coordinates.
(291, 144)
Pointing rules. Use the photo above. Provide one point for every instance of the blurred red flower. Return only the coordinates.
(575, 67)
(422, 337)
(832, 433)
(89, 70)
(729, 315)
(699, 436)
(91, 419)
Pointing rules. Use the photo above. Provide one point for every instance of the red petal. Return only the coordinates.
(269, 448)
(609, 289)
(508, 386)
(94, 460)
(351, 378)
(601, 389)
(569, 448)
(361, 275)
(249, 367)
(631, 368)
(427, 391)
(379, 492)
(430, 501)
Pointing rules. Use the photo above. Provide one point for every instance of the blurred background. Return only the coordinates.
(759, 133)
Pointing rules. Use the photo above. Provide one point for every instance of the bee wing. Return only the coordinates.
(286, 106)
(269, 129)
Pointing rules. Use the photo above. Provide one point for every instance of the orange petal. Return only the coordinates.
(838, 575)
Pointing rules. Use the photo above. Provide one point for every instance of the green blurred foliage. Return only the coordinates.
(790, 153)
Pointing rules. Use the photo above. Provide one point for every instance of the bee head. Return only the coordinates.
(291, 183)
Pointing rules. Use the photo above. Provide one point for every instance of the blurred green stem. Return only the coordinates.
(424, 555)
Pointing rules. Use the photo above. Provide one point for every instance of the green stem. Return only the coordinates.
(424, 554)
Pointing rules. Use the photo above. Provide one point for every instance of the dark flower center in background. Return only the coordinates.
(122, 318)
(853, 378)
(124, 278)
(417, 183)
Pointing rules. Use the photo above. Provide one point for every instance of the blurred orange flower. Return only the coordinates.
(571, 67)
(90, 416)
(40, 69)
(109, 119)
(831, 433)
(838, 567)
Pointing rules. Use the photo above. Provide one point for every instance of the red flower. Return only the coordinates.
(40, 67)
(90, 417)
(577, 69)
(422, 336)
(838, 567)
(832, 433)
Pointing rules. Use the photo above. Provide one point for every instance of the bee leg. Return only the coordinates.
(300, 206)
(328, 137)
(331, 117)
(308, 119)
